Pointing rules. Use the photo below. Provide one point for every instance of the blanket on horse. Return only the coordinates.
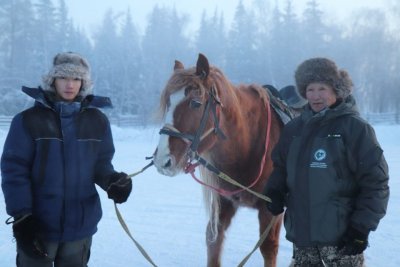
(280, 105)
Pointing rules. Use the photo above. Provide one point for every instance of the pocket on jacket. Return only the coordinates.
(47, 210)
(91, 211)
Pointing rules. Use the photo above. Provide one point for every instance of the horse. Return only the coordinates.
(231, 128)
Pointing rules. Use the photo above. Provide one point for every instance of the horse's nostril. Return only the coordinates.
(167, 164)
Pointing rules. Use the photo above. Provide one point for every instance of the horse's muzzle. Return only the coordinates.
(166, 165)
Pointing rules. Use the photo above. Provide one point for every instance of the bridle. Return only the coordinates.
(213, 104)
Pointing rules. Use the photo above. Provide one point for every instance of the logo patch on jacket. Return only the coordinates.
(319, 156)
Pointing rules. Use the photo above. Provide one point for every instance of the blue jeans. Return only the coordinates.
(65, 254)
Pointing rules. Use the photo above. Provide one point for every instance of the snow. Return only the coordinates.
(167, 216)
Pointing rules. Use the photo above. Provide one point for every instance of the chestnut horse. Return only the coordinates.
(228, 127)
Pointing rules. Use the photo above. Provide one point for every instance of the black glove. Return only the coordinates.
(277, 204)
(24, 230)
(353, 242)
(120, 187)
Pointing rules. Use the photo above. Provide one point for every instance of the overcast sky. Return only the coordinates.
(89, 13)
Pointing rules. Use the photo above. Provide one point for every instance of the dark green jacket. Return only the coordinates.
(332, 172)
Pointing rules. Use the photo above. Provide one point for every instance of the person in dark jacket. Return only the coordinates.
(329, 172)
(54, 155)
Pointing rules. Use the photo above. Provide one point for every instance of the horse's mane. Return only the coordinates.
(182, 78)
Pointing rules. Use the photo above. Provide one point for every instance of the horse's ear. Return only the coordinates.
(202, 67)
(178, 65)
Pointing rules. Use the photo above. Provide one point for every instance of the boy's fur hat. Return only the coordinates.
(323, 70)
(71, 65)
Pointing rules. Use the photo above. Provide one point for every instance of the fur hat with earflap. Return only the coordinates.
(323, 70)
(71, 65)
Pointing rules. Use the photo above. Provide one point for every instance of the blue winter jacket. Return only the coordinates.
(54, 154)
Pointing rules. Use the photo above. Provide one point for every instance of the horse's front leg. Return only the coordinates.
(269, 248)
(215, 240)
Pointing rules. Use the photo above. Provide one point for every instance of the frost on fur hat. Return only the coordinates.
(69, 65)
(325, 71)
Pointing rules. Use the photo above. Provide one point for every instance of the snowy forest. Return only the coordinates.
(263, 44)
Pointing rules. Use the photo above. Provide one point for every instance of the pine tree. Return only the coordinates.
(211, 38)
(242, 47)
(130, 97)
(106, 60)
(163, 43)
(45, 38)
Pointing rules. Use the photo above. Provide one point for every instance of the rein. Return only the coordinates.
(228, 179)
(146, 255)
(260, 241)
(224, 177)
(125, 227)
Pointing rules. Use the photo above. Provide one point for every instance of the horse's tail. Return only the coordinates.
(212, 202)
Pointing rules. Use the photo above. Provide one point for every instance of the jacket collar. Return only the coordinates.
(346, 107)
(47, 98)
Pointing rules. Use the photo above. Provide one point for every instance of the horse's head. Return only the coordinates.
(190, 105)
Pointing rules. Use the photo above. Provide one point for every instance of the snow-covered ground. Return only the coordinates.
(167, 217)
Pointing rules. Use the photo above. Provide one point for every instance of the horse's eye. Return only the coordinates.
(194, 103)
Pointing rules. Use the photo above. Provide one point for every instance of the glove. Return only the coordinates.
(277, 204)
(120, 187)
(353, 242)
(24, 230)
